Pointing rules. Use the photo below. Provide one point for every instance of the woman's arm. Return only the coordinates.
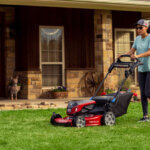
(131, 52)
(146, 54)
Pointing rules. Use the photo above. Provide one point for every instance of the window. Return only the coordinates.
(52, 56)
(124, 39)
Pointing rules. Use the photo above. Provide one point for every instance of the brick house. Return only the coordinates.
(53, 43)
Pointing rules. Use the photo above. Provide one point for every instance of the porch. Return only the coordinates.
(21, 104)
(90, 44)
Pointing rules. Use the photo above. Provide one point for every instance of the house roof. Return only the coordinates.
(128, 5)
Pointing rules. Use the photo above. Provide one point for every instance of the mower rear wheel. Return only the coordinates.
(109, 118)
(80, 122)
(54, 116)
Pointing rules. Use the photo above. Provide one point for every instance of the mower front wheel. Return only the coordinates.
(80, 121)
(54, 116)
(109, 119)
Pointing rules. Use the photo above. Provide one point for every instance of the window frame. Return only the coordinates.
(53, 63)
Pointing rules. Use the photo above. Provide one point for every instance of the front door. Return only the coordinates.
(2, 57)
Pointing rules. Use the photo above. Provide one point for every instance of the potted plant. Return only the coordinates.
(60, 92)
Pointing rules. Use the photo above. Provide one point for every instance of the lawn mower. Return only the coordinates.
(99, 110)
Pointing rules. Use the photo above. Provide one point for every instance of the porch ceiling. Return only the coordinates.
(127, 5)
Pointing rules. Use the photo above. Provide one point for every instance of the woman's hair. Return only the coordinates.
(148, 31)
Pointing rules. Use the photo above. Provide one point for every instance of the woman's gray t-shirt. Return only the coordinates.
(142, 45)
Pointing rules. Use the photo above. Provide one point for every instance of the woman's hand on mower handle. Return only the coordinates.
(134, 56)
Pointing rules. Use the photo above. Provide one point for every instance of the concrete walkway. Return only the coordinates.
(6, 104)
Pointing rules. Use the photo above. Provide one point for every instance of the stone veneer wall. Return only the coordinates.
(9, 13)
(103, 49)
(98, 42)
(31, 84)
(75, 83)
(104, 46)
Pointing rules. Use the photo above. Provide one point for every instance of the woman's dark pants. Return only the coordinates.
(144, 83)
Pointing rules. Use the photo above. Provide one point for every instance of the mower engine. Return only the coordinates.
(80, 107)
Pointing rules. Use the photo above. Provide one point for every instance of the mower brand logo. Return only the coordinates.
(93, 121)
(62, 121)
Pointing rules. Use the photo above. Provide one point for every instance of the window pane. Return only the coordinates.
(123, 42)
(55, 56)
(51, 41)
(132, 36)
(44, 56)
(51, 75)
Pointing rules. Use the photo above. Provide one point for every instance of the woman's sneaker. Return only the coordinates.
(144, 119)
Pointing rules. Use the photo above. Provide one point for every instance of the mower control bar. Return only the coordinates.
(123, 64)
(120, 64)
(132, 66)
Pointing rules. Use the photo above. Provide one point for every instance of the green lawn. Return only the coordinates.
(30, 130)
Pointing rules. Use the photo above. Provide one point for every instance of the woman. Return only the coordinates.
(142, 47)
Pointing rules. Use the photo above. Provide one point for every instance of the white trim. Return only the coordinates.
(55, 63)
(51, 63)
(127, 5)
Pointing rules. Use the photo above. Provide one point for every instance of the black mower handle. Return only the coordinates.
(118, 60)
(121, 64)
(124, 55)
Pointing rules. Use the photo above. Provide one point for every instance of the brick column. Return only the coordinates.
(31, 84)
(103, 46)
